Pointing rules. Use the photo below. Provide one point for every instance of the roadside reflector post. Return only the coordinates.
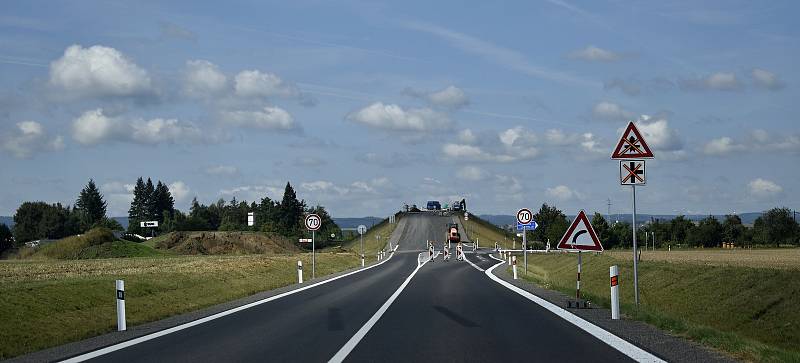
(362, 260)
(121, 306)
(578, 290)
(514, 265)
(509, 258)
(299, 272)
(613, 271)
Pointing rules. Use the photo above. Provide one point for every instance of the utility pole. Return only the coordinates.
(608, 213)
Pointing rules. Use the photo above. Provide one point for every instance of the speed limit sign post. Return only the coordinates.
(525, 221)
(313, 222)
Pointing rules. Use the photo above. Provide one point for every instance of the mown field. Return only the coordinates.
(742, 302)
(45, 303)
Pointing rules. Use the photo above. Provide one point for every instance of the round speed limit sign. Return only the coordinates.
(313, 222)
(524, 216)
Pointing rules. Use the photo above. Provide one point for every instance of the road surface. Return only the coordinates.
(448, 311)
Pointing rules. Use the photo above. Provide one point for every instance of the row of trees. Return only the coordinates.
(150, 203)
(40, 220)
(775, 227)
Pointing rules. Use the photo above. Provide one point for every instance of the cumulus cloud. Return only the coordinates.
(720, 81)
(595, 54)
(28, 138)
(611, 112)
(766, 79)
(203, 79)
(450, 97)
(467, 136)
(757, 141)
(562, 193)
(762, 188)
(98, 71)
(658, 133)
(260, 84)
(222, 170)
(634, 86)
(268, 118)
(391, 117)
(510, 145)
(721, 146)
(255, 192)
(94, 127)
(179, 190)
(472, 173)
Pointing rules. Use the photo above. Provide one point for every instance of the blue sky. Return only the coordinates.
(365, 106)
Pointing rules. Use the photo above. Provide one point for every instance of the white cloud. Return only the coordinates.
(766, 79)
(611, 111)
(562, 193)
(595, 54)
(721, 146)
(467, 136)
(762, 188)
(28, 138)
(203, 79)
(451, 97)
(222, 170)
(658, 134)
(255, 192)
(179, 190)
(394, 118)
(259, 84)
(98, 71)
(268, 118)
(94, 127)
(472, 173)
(720, 81)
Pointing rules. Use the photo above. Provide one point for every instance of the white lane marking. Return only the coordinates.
(473, 265)
(622, 345)
(128, 343)
(351, 344)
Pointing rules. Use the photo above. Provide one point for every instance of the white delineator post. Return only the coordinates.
(299, 272)
(578, 291)
(514, 266)
(121, 306)
(613, 271)
(508, 254)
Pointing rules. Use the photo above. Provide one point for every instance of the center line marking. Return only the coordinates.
(351, 344)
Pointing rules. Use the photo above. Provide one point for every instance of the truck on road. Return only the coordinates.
(452, 233)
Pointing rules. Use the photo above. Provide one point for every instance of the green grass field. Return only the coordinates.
(487, 233)
(45, 303)
(372, 244)
(748, 312)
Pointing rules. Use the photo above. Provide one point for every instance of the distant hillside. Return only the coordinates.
(9, 221)
(355, 222)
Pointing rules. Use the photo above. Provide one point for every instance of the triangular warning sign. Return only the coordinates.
(632, 145)
(580, 236)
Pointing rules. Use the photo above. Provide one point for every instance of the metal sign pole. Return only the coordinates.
(362, 250)
(635, 256)
(525, 248)
(313, 257)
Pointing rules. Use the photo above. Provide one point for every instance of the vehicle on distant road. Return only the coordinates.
(434, 205)
(452, 233)
(456, 206)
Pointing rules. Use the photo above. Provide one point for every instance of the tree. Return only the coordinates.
(552, 224)
(26, 221)
(776, 226)
(162, 201)
(733, 231)
(291, 212)
(623, 234)
(90, 205)
(680, 227)
(5, 238)
(138, 209)
(603, 230)
(150, 207)
(38, 220)
(708, 233)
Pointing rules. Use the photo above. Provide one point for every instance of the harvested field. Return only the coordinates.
(782, 258)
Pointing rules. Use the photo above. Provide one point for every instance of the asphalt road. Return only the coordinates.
(449, 311)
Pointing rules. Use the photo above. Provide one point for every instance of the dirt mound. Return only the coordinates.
(225, 243)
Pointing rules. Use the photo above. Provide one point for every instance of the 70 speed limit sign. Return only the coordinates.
(524, 216)
(313, 222)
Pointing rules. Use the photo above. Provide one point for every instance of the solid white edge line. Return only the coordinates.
(160, 333)
(622, 345)
(361, 333)
(473, 265)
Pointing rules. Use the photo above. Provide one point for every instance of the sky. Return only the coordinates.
(367, 106)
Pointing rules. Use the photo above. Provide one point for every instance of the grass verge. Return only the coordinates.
(47, 303)
(487, 233)
(375, 240)
(744, 311)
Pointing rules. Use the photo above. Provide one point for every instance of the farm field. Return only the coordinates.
(81, 292)
(782, 258)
